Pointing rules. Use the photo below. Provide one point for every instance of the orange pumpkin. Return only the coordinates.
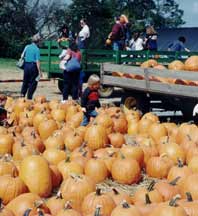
(119, 196)
(92, 200)
(46, 128)
(191, 64)
(176, 65)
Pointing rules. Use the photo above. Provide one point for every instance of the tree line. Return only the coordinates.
(20, 19)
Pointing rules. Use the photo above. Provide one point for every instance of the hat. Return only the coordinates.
(36, 38)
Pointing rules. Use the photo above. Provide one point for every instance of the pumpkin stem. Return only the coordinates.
(173, 202)
(67, 159)
(27, 212)
(125, 204)
(189, 197)
(13, 133)
(97, 211)
(174, 182)
(180, 163)
(38, 203)
(147, 199)
(150, 187)
(98, 192)
(84, 154)
(122, 155)
(59, 195)
(82, 146)
(189, 137)
(68, 205)
(115, 191)
(1, 205)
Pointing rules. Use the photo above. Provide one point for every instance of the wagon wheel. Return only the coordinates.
(105, 91)
(129, 103)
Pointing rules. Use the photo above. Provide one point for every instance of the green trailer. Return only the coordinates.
(92, 60)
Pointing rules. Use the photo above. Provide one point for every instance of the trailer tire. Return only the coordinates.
(106, 91)
(60, 85)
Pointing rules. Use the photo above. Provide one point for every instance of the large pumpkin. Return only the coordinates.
(93, 199)
(6, 142)
(191, 64)
(36, 174)
(26, 201)
(75, 188)
(176, 65)
(10, 188)
(46, 128)
(96, 137)
(126, 170)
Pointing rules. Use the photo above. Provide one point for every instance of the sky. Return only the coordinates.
(190, 8)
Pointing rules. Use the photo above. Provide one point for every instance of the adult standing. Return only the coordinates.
(71, 78)
(151, 39)
(83, 35)
(32, 70)
(118, 33)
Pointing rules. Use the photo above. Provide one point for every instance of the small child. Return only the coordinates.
(90, 99)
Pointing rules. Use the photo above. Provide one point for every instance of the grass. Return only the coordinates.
(7, 64)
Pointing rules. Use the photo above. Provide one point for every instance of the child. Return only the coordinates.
(90, 99)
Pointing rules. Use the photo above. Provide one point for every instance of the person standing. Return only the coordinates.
(71, 78)
(118, 33)
(151, 39)
(83, 35)
(32, 71)
(64, 36)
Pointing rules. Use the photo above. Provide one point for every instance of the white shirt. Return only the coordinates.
(136, 45)
(84, 33)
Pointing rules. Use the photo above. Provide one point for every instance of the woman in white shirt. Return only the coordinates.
(136, 43)
(83, 35)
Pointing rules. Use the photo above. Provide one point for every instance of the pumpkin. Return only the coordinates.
(75, 188)
(46, 128)
(58, 115)
(154, 195)
(191, 64)
(35, 212)
(170, 209)
(26, 201)
(72, 141)
(67, 167)
(68, 211)
(119, 196)
(7, 166)
(125, 209)
(176, 65)
(132, 151)
(56, 176)
(189, 205)
(126, 170)
(34, 171)
(179, 171)
(38, 118)
(105, 121)
(4, 211)
(55, 141)
(10, 188)
(119, 123)
(76, 120)
(147, 207)
(96, 137)
(158, 167)
(190, 185)
(168, 189)
(156, 131)
(6, 142)
(116, 139)
(149, 63)
(133, 127)
(192, 152)
(54, 156)
(97, 198)
(193, 164)
(143, 125)
(96, 169)
(55, 203)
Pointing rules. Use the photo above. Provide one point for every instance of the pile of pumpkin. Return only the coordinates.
(45, 149)
(191, 64)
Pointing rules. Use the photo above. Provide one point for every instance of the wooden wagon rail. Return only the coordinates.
(146, 84)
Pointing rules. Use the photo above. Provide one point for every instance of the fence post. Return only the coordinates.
(118, 57)
(49, 58)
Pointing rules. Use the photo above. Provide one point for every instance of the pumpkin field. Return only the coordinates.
(121, 164)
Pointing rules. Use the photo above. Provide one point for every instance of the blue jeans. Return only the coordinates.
(118, 45)
(87, 116)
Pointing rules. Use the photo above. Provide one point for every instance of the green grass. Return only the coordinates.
(8, 64)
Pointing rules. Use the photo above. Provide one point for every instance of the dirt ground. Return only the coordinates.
(48, 88)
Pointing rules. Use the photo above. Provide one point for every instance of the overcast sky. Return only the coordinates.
(190, 8)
